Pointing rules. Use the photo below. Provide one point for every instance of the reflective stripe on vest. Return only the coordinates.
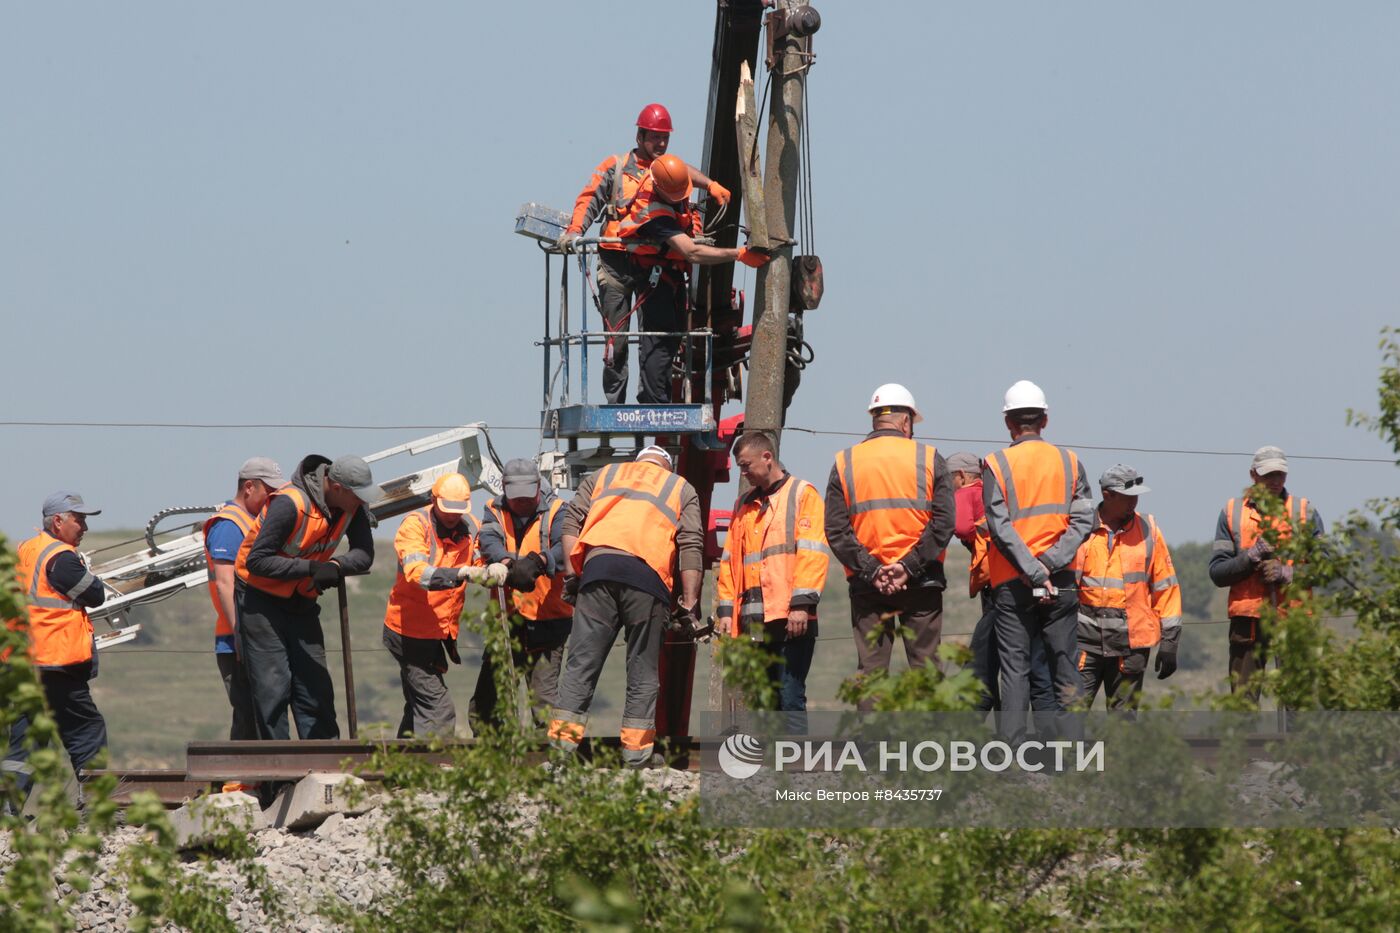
(1248, 596)
(1134, 549)
(233, 512)
(414, 610)
(890, 504)
(59, 630)
(1038, 500)
(645, 208)
(313, 538)
(628, 498)
(765, 579)
(546, 600)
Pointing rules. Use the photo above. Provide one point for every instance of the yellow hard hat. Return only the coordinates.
(453, 494)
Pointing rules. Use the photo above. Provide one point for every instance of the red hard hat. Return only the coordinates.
(654, 117)
(671, 178)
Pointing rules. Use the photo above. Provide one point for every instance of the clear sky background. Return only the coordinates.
(1180, 219)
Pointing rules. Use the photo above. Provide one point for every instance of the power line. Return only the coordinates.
(983, 441)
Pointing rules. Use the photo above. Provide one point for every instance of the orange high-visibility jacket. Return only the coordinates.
(775, 551)
(235, 513)
(887, 483)
(1247, 597)
(636, 507)
(645, 208)
(546, 600)
(415, 611)
(623, 175)
(977, 573)
(1037, 480)
(59, 630)
(312, 538)
(1131, 571)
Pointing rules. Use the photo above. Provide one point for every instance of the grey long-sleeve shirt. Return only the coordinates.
(1037, 567)
(922, 559)
(1228, 563)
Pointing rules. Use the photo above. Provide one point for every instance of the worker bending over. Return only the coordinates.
(626, 529)
(607, 197)
(1244, 560)
(774, 567)
(1039, 510)
(1129, 597)
(258, 478)
(889, 516)
(524, 531)
(284, 564)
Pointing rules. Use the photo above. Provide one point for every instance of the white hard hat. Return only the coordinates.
(894, 395)
(1025, 394)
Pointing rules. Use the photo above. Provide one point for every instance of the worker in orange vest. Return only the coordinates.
(626, 530)
(607, 197)
(1244, 560)
(1129, 597)
(59, 590)
(658, 231)
(774, 567)
(889, 517)
(437, 556)
(283, 565)
(258, 478)
(524, 531)
(1039, 510)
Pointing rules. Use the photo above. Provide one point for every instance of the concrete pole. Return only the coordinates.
(763, 409)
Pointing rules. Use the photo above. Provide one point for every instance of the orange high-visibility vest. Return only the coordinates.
(235, 513)
(546, 600)
(645, 208)
(887, 483)
(626, 175)
(636, 508)
(416, 612)
(774, 552)
(313, 537)
(977, 573)
(59, 630)
(1037, 480)
(1131, 571)
(1247, 597)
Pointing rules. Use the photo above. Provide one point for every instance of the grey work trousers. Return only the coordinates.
(427, 705)
(1020, 618)
(603, 609)
(539, 661)
(622, 282)
(240, 697)
(284, 654)
(918, 609)
(1120, 676)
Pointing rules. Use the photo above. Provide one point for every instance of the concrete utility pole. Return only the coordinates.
(789, 26)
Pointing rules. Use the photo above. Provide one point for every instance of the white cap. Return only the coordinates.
(1025, 394)
(894, 395)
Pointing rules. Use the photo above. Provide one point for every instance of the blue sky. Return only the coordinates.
(1179, 219)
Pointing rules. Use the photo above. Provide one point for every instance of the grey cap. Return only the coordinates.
(964, 462)
(1269, 460)
(521, 479)
(352, 471)
(64, 501)
(263, 468)
(1123, 479)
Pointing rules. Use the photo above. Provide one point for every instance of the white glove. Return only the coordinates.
(473, 574)
(496, 574)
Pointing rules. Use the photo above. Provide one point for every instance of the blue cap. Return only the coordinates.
(65, 501)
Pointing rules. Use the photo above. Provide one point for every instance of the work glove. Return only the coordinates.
(570, 593)
(1165, 665)
(473, 574)
(524, 572)
(753, 257)
(496, 574)
(450, 646)
(325, 574)
(1259, 550)
(719, 192)
(566, 241)
(1276, 572)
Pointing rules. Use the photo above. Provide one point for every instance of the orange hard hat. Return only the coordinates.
(671, 178)
(453, 494)
(654, 117)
